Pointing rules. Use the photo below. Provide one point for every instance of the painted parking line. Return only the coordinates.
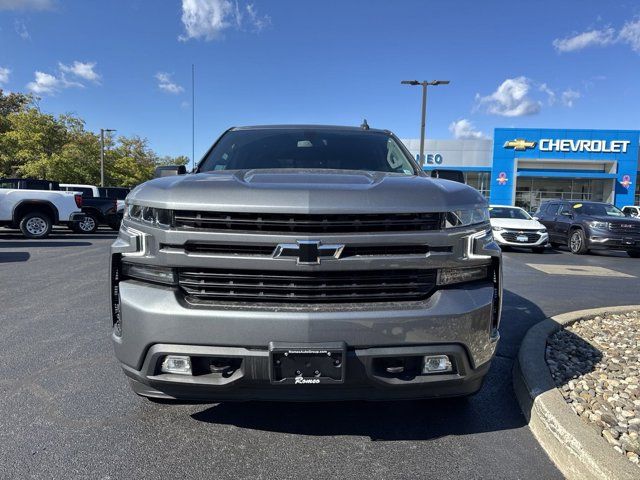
(583, 270)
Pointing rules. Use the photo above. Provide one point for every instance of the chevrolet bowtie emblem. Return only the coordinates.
(519, 144)
(308, 252)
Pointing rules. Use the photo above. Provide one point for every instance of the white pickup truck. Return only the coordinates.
(36, 211)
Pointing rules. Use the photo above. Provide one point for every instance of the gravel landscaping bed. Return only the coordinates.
(596, 366)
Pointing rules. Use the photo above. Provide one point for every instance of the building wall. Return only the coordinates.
(468, 154)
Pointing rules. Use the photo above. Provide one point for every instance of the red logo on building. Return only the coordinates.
(502, 178)
(626, 181)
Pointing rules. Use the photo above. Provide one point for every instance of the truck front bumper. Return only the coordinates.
(155, 321)
(542, 241)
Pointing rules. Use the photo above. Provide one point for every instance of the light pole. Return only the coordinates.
(102, 130)
(424, 84)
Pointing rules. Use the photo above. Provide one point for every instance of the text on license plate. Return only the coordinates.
(522, 238)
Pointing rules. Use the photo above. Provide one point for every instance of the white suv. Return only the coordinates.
(514, 227)
(631, 211)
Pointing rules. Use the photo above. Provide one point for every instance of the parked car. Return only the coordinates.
(631, 211)
(585, 226)
(36, 211)
(305, 263)
(117, 193)
(514, 227)
(98, 210)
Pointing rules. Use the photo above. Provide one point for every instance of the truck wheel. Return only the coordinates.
(578, 242)
(633, 253)
(88, 225)
(35, 225)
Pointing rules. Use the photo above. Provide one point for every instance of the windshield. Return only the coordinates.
(506, 212)
(308, 148)
(598, 210)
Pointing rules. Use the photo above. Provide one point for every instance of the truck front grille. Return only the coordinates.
(512, 236)
(268, 250)
(625, 228)
(306, 223)
(308, 287)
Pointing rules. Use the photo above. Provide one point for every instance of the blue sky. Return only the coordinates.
(127, 64)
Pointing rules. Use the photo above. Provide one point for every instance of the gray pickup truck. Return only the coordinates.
(305, 263)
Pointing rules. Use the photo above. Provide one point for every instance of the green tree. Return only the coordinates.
(40, 145)
(31, 138)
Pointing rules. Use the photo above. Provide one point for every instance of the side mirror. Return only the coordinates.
(536, 218)
(170, 170)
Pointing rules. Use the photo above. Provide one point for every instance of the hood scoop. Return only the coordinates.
(308, 178)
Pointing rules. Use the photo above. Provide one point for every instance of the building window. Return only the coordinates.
(481, 181)
(532, 191)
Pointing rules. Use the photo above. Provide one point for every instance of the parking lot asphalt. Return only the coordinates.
(67, 411)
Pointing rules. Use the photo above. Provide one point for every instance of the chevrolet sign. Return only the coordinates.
(570, 145)
(593, 146)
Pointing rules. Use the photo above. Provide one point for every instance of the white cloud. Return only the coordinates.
(569, 96)
(21, 29)
(49, 84)
(258, 22)
(630, 34)
(4, 75)
(464, 129)
(166, 84)
(582, 40)
(26, 4)
(511, 99)
(208, 19)
(84, 70)
(551, 95)
(45, 83)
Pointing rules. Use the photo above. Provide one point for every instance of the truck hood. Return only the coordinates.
(306, 191)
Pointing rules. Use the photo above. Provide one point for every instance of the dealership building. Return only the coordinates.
(527, 166)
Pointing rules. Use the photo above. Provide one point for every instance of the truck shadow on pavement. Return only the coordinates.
(41, 244)
(12, 257)
(494, 408)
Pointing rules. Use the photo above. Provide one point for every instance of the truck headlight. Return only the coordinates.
(149, 273)
(158, 217)
(463, 218)
(449, 276)
(599, 225)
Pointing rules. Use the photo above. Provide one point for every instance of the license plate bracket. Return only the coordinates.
(307, 363)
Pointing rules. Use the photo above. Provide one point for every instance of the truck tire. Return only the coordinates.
(88, 225)
(35, 225)
(578, 242)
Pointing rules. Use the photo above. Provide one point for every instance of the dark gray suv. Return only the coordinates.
(305, 263)
(584, 226)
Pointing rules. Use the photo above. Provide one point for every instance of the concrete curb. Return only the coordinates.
(574, 446)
